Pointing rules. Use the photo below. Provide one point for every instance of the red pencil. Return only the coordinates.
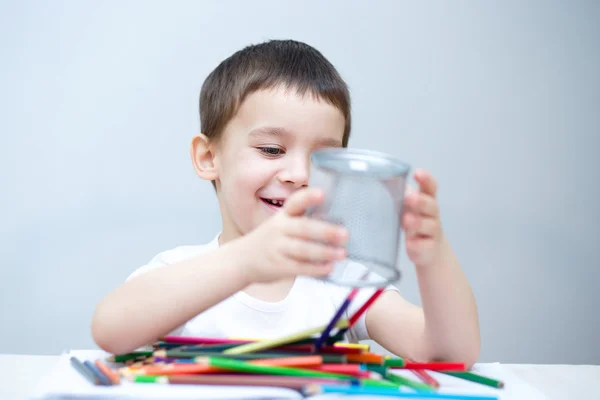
(364, 307)
(426, 378)
(434, 366)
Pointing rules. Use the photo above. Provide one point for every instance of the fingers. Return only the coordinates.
(426, 181)
(422, 204)
(320, 231)
(415, 225)
(298, 202)
(312, 252)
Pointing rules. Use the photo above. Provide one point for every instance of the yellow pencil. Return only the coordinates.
(269, 344)
(361, 346)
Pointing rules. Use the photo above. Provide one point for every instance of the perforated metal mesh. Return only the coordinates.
(364, 192)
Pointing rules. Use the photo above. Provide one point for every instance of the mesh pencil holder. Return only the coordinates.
(364, 192)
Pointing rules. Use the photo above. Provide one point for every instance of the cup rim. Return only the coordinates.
(399, 167)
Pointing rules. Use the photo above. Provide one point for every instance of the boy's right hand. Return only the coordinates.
(290, 243)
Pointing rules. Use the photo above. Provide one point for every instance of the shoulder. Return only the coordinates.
(175, 255)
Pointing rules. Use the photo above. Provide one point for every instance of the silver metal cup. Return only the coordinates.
(364, 192)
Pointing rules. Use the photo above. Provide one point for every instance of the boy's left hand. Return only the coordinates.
(421, 221)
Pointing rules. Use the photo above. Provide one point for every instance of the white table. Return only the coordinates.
(19, 374)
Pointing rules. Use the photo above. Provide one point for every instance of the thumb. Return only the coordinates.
(298, 202)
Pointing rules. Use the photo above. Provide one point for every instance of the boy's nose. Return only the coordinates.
(296, 174)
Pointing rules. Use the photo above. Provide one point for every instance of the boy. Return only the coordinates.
(263, 111)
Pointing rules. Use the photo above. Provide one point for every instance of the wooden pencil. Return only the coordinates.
(130, 356)
(435, 366)
(366, 358)
(332, 323)
(291, 382)
(106, 370)
(268, 344)
(426, 378)
(83, 370)
(296, 348)
(326, 358)
(103, 379)
(355, 317)
(472, 377)
(402, 381)
(180, 369)
(318, 389)
(241, 366)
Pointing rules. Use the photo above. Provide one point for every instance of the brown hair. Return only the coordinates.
(263, 66)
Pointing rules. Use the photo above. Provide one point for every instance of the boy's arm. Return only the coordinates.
(447, 326)
(152, 304)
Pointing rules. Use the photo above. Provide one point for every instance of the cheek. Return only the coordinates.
(246, 174)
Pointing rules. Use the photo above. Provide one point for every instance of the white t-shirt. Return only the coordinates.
(310, 303)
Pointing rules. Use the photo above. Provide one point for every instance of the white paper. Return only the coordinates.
(64, 382)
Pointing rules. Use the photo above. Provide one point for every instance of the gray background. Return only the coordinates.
(98, 105)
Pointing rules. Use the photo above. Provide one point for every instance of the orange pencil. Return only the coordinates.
(365, 358)
(110, 374)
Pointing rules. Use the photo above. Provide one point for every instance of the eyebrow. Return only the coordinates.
(282, 132)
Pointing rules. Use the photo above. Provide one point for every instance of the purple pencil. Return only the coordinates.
(334, 320)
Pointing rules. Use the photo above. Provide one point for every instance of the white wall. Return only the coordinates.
(500, 101)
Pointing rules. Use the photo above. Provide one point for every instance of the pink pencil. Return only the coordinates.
(201, 340)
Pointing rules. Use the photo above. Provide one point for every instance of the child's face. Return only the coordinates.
(264, 154)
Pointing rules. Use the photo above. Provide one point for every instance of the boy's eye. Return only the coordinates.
(271, 151)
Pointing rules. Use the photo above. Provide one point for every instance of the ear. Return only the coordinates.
(203, 157)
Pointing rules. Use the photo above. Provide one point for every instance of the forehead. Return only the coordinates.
(281, 111)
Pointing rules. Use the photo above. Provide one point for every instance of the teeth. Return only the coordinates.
(275, 202)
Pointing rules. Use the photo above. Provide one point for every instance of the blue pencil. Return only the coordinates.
(97, 373)
(334, 320)
(89, 375)
(312, 390)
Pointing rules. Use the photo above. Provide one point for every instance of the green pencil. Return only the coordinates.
(402, 381)
(129, 356)
(470, 376)
(268, 344)
(394, 362)
(242, 366)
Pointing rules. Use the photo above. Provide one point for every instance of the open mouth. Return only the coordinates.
(273, 202)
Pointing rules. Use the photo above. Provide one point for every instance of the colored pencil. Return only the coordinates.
(202, 340)
(327, 358)
(297, 348)
(83, 370)
(400, 380)
(108, 372)
(355, 317)
(291, 382)
(366, 358)
(361, 346)
(327, 331)
(129, 356)
(357, 370)
(316, 389)
(431, 366)
(470, 376)
(178, 369)
(103, 379)
(426, 378)
(269, 344)
(241, 366)
(394, 362)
